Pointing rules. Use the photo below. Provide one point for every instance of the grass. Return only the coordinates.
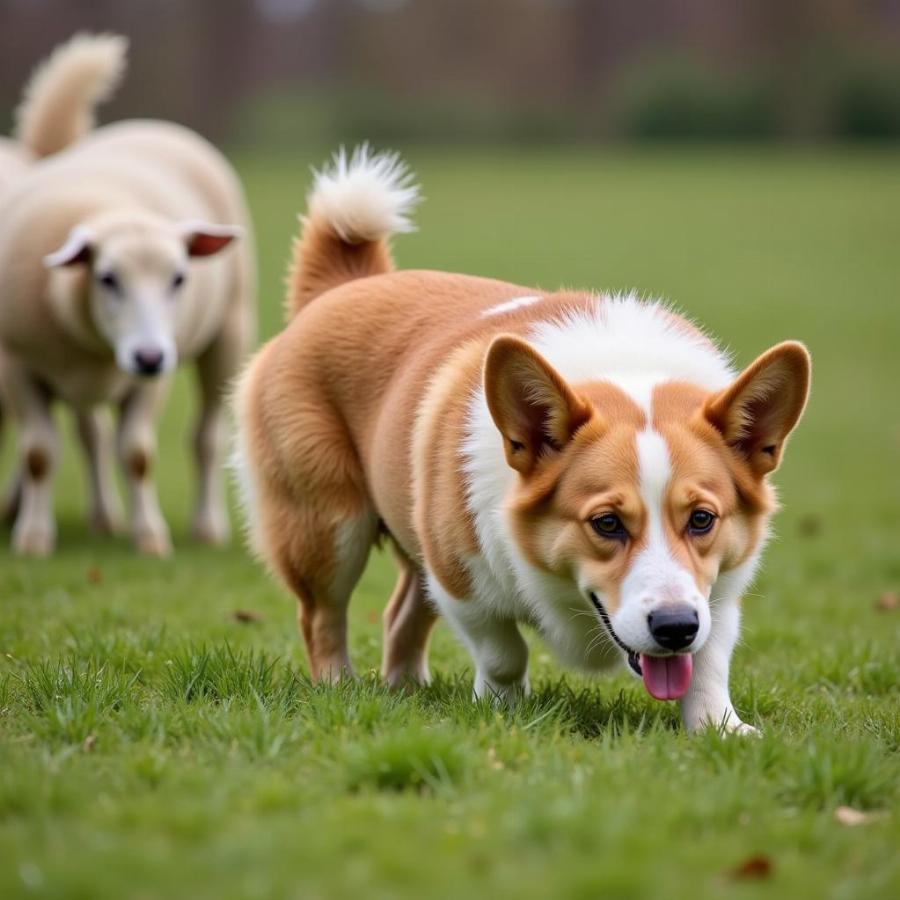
(155, 744)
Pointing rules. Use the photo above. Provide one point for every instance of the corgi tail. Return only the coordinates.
(59, 101)
(356, 203)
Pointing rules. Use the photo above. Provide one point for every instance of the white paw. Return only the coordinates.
(500, 694)
(736, 726)
(725, 723)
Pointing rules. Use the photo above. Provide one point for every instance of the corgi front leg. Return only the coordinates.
(708, 701)
(495, 643)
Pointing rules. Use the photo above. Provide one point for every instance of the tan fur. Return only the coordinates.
(596, 472)
(323, 261)
(408, 622)
(444, 407)
(552, 411)
(359, 409)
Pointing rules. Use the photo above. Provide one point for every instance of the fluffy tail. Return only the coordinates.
(58, 103)
(355, 205)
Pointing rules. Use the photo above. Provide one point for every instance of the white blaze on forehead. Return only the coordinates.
(510, 305)
(655, 578)
(655, 561)
(654, 471)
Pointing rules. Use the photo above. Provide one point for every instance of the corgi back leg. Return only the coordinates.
(409, 619)
(324, 595)
(308, 511)
(320, 555)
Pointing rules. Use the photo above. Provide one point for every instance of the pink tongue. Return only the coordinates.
(667, 677)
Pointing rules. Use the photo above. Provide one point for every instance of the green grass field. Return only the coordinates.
(154, 746)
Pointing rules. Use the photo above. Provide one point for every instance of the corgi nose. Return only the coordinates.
(148, 360)
(674, 628)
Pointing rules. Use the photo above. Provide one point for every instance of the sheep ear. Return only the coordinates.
(78, 249)
(533, 407)
(758, 411)
(206, 239)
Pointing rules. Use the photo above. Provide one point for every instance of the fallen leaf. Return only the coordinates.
(94, 575)
(888, 601)
(758, 866)
(372, 617)
(810, 525)
(851, 817)
(246, 616)
(88, 743)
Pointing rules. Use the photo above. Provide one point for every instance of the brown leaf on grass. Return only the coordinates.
(372, 617)
(88, 743)
(94, 575)
(759, 866)
(246, 616)
(810, 525)
(888, 601)
(851, 817)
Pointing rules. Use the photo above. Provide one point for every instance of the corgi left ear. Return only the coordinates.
(759, 410)
(531, 404)
(205, 239)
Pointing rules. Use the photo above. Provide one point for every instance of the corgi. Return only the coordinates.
(589, 465)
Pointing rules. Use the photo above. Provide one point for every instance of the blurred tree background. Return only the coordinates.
(289, 73)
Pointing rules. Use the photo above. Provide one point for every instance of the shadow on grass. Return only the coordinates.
(588, 711)
(191, 675)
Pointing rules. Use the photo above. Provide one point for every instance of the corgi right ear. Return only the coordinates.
(532, 405)
(77, 249)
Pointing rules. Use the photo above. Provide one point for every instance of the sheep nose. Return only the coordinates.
(674, 628)
(148, 360)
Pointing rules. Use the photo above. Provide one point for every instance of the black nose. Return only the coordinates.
(675, 628)
(148, 360)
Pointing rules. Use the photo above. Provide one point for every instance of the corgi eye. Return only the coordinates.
(701, 521)
(178, 280)
(109, 281)
(609, 525)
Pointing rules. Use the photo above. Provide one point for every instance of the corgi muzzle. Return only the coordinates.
(665, 677)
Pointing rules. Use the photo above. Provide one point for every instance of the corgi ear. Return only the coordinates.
(78, 248)
(534, 409)
(205, 239)
(760, 409)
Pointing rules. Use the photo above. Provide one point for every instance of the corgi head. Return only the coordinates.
(643, 509)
